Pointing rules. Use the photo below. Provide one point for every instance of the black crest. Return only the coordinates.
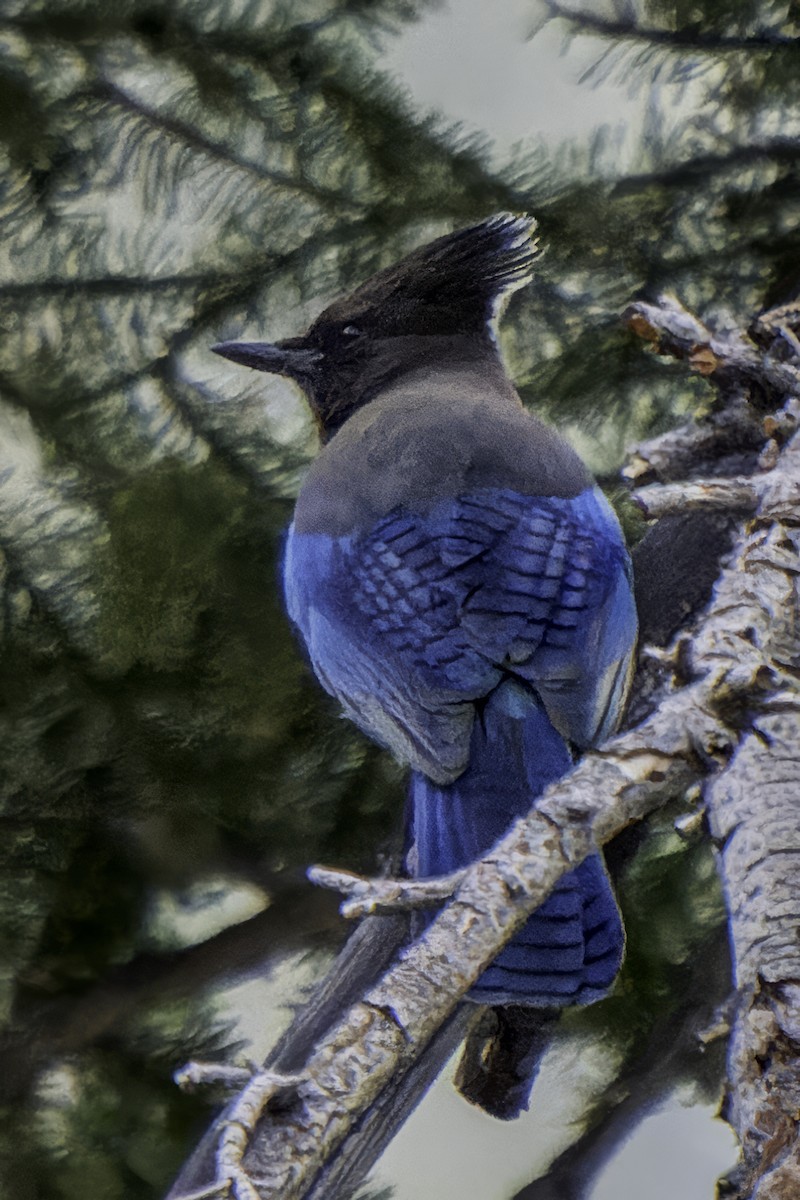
(452, 285)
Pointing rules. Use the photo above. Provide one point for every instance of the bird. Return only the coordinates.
(460, 583)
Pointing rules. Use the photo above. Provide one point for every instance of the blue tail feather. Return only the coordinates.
(569, 950)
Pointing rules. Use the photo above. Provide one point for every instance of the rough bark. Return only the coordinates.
(754, 810)
(726, 697)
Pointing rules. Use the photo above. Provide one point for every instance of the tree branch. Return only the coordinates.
(752, 809)
(660, 499)
(739, 661)
(368, 896)
(112, 94)
(678, 39)
(388, 1028)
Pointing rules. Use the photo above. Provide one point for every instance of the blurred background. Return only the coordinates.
(178, 172)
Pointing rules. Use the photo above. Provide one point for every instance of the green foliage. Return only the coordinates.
(160, 590)
(175, 173)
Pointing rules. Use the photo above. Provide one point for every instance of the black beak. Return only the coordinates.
(292, 358)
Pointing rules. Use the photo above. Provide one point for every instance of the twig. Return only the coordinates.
(740, 493)
(731, 437)
(370, 896)
(730, 440)
(232, 1178)
(728, 355)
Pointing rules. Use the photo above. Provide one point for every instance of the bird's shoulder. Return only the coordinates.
(423, 440)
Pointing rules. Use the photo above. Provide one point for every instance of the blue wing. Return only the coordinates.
(414, 621)
(481, 642)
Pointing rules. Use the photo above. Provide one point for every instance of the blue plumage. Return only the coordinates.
(461, 586)
(481, 642)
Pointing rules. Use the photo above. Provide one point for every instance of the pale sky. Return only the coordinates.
(473, 62)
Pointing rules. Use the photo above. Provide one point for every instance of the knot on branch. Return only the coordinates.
(727, 357)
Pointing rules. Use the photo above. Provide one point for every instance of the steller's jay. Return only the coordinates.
(461, 585)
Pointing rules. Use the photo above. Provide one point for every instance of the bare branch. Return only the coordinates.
(732, 435)
(742, 660)
(381, 1034)
(729, 356)
(730, 438)
(369, 896)
(659, 499)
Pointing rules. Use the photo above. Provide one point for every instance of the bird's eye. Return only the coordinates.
(351, 331)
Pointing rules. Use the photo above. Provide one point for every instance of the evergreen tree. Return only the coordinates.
(176, 173)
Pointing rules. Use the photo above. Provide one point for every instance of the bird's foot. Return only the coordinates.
(370, 896)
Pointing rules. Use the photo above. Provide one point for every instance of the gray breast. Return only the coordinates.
(425, 439)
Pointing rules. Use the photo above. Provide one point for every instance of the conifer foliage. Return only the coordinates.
(179, 172)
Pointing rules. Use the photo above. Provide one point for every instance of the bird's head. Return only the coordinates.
(440, 302)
